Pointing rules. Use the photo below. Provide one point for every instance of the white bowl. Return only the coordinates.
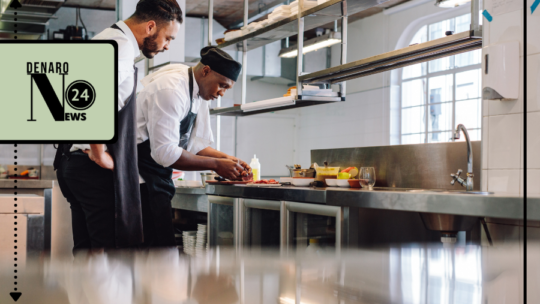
(302, 182)
(331, 182)
(285, 180)
(343, 183)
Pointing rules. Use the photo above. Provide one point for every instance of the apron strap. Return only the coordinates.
(114, 26)
(190, 72)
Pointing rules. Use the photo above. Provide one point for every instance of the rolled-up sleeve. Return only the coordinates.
(201, 135)
(164, 112)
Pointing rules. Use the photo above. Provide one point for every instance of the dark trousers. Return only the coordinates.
(90, 191)
(158, 227)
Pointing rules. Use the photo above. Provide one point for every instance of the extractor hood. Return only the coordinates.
(32, 18)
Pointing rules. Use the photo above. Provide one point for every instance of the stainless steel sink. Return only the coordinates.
(461, 192)
(441, 191)
(445, 223)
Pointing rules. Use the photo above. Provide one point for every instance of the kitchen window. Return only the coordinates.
(438, 95)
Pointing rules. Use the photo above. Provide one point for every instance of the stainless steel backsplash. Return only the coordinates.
(426, 166)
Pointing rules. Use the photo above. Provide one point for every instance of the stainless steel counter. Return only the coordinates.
(448, 202)
(27, 184)
(433, 202)
(193, 199)
(284, 193)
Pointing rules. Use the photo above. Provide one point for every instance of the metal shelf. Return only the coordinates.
(438, 48)
(315, 17)
(299, 103)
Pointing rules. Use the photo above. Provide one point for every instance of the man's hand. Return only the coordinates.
(104, 159)
(242, 163)
(228, 168)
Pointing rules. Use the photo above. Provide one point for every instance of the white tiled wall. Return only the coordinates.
(502, 163)
(533, 23)
(361, 121)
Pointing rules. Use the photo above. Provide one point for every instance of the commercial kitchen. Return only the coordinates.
(390, 160)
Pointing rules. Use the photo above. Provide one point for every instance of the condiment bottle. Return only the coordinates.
(256, 167)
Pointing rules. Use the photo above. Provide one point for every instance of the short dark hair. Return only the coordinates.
(161, 11)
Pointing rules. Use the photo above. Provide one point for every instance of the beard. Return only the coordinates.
(150, 46)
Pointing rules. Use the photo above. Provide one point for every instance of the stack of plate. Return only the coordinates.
(189, 239)
(201, 245)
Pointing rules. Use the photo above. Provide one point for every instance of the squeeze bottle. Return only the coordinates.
(256, 168)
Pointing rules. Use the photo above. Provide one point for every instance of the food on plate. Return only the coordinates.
(247, 176)
(353, 171)
(265, 181)
(344, 175)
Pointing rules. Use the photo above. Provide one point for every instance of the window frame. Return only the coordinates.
(426, 77)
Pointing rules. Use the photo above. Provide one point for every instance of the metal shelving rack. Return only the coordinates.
(326, 13)
(430, 50)
(295, 25)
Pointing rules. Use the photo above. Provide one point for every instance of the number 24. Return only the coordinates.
(83, 95)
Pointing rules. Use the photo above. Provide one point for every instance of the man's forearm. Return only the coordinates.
(211, 152)
(97, 149)
(191, 162)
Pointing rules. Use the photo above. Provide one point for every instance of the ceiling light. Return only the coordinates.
(312, 45)
(450, 3)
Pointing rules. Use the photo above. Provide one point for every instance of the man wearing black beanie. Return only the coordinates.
(174, 132)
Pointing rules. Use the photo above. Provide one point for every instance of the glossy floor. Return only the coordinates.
(403, 274)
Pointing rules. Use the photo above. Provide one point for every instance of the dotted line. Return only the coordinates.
(15, 216)
(15, 187)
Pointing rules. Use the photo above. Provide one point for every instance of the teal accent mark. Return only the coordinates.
(534, 6)
(488, 16)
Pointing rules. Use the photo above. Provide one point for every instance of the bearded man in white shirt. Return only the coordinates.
(173, 131)
(101, 181)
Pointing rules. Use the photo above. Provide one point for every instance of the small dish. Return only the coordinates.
(343, 183)
(302, 181)
(285, 180)
(331, 182)
(354, 183)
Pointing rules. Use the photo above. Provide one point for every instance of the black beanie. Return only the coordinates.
(220, 62)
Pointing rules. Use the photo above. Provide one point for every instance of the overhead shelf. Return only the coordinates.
(434, 49)
(314, 17)
(298, 103)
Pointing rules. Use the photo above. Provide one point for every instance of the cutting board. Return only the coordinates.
(228, 182)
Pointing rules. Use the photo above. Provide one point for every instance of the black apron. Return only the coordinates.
(158, 179)
(128, 214)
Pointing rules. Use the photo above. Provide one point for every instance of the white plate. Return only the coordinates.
(263, 185)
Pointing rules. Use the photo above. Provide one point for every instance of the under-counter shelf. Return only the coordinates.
(314, 17)
(434, 49)
(304, 101)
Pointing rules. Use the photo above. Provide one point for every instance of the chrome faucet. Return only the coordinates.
(455, 177)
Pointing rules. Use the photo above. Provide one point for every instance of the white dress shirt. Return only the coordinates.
(162, 105)
(128, 50)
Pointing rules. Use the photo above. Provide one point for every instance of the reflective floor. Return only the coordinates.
(403, 274)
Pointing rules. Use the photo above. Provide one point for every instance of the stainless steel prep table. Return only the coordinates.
(193, 199)
(25, 184)
(287, 200)
(301, 199)
(447, 202)
(284, 193)
(38, 187)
